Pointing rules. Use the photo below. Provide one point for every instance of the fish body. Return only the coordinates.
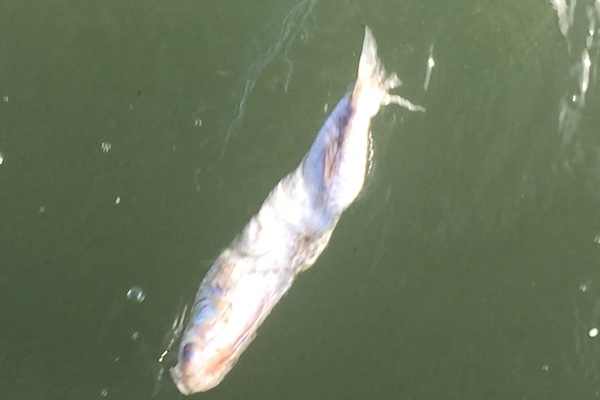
(286, 236)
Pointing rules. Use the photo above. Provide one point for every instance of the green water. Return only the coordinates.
(137, 138)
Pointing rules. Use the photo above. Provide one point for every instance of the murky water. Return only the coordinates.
(137, 139)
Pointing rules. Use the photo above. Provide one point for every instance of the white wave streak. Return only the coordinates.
(292, 25)
(582, 47)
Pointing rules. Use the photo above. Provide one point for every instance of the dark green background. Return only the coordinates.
(469, 267)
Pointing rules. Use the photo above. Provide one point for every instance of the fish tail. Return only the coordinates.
(374, 83)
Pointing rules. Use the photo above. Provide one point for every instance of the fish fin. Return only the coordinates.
(401, 101)
(373, 82)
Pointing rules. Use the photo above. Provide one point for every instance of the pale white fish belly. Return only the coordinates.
(285, 237)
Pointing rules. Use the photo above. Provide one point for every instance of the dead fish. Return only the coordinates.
(286, 236)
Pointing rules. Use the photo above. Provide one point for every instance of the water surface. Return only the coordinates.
(138, 138)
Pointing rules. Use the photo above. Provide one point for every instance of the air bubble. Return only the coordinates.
(135, 294)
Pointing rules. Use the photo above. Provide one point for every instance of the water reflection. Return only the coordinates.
(280, 34)
(430, 65)
(580, 153)
(585, 330)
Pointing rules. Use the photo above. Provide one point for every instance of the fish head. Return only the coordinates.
(201, 367)
(209, 348)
